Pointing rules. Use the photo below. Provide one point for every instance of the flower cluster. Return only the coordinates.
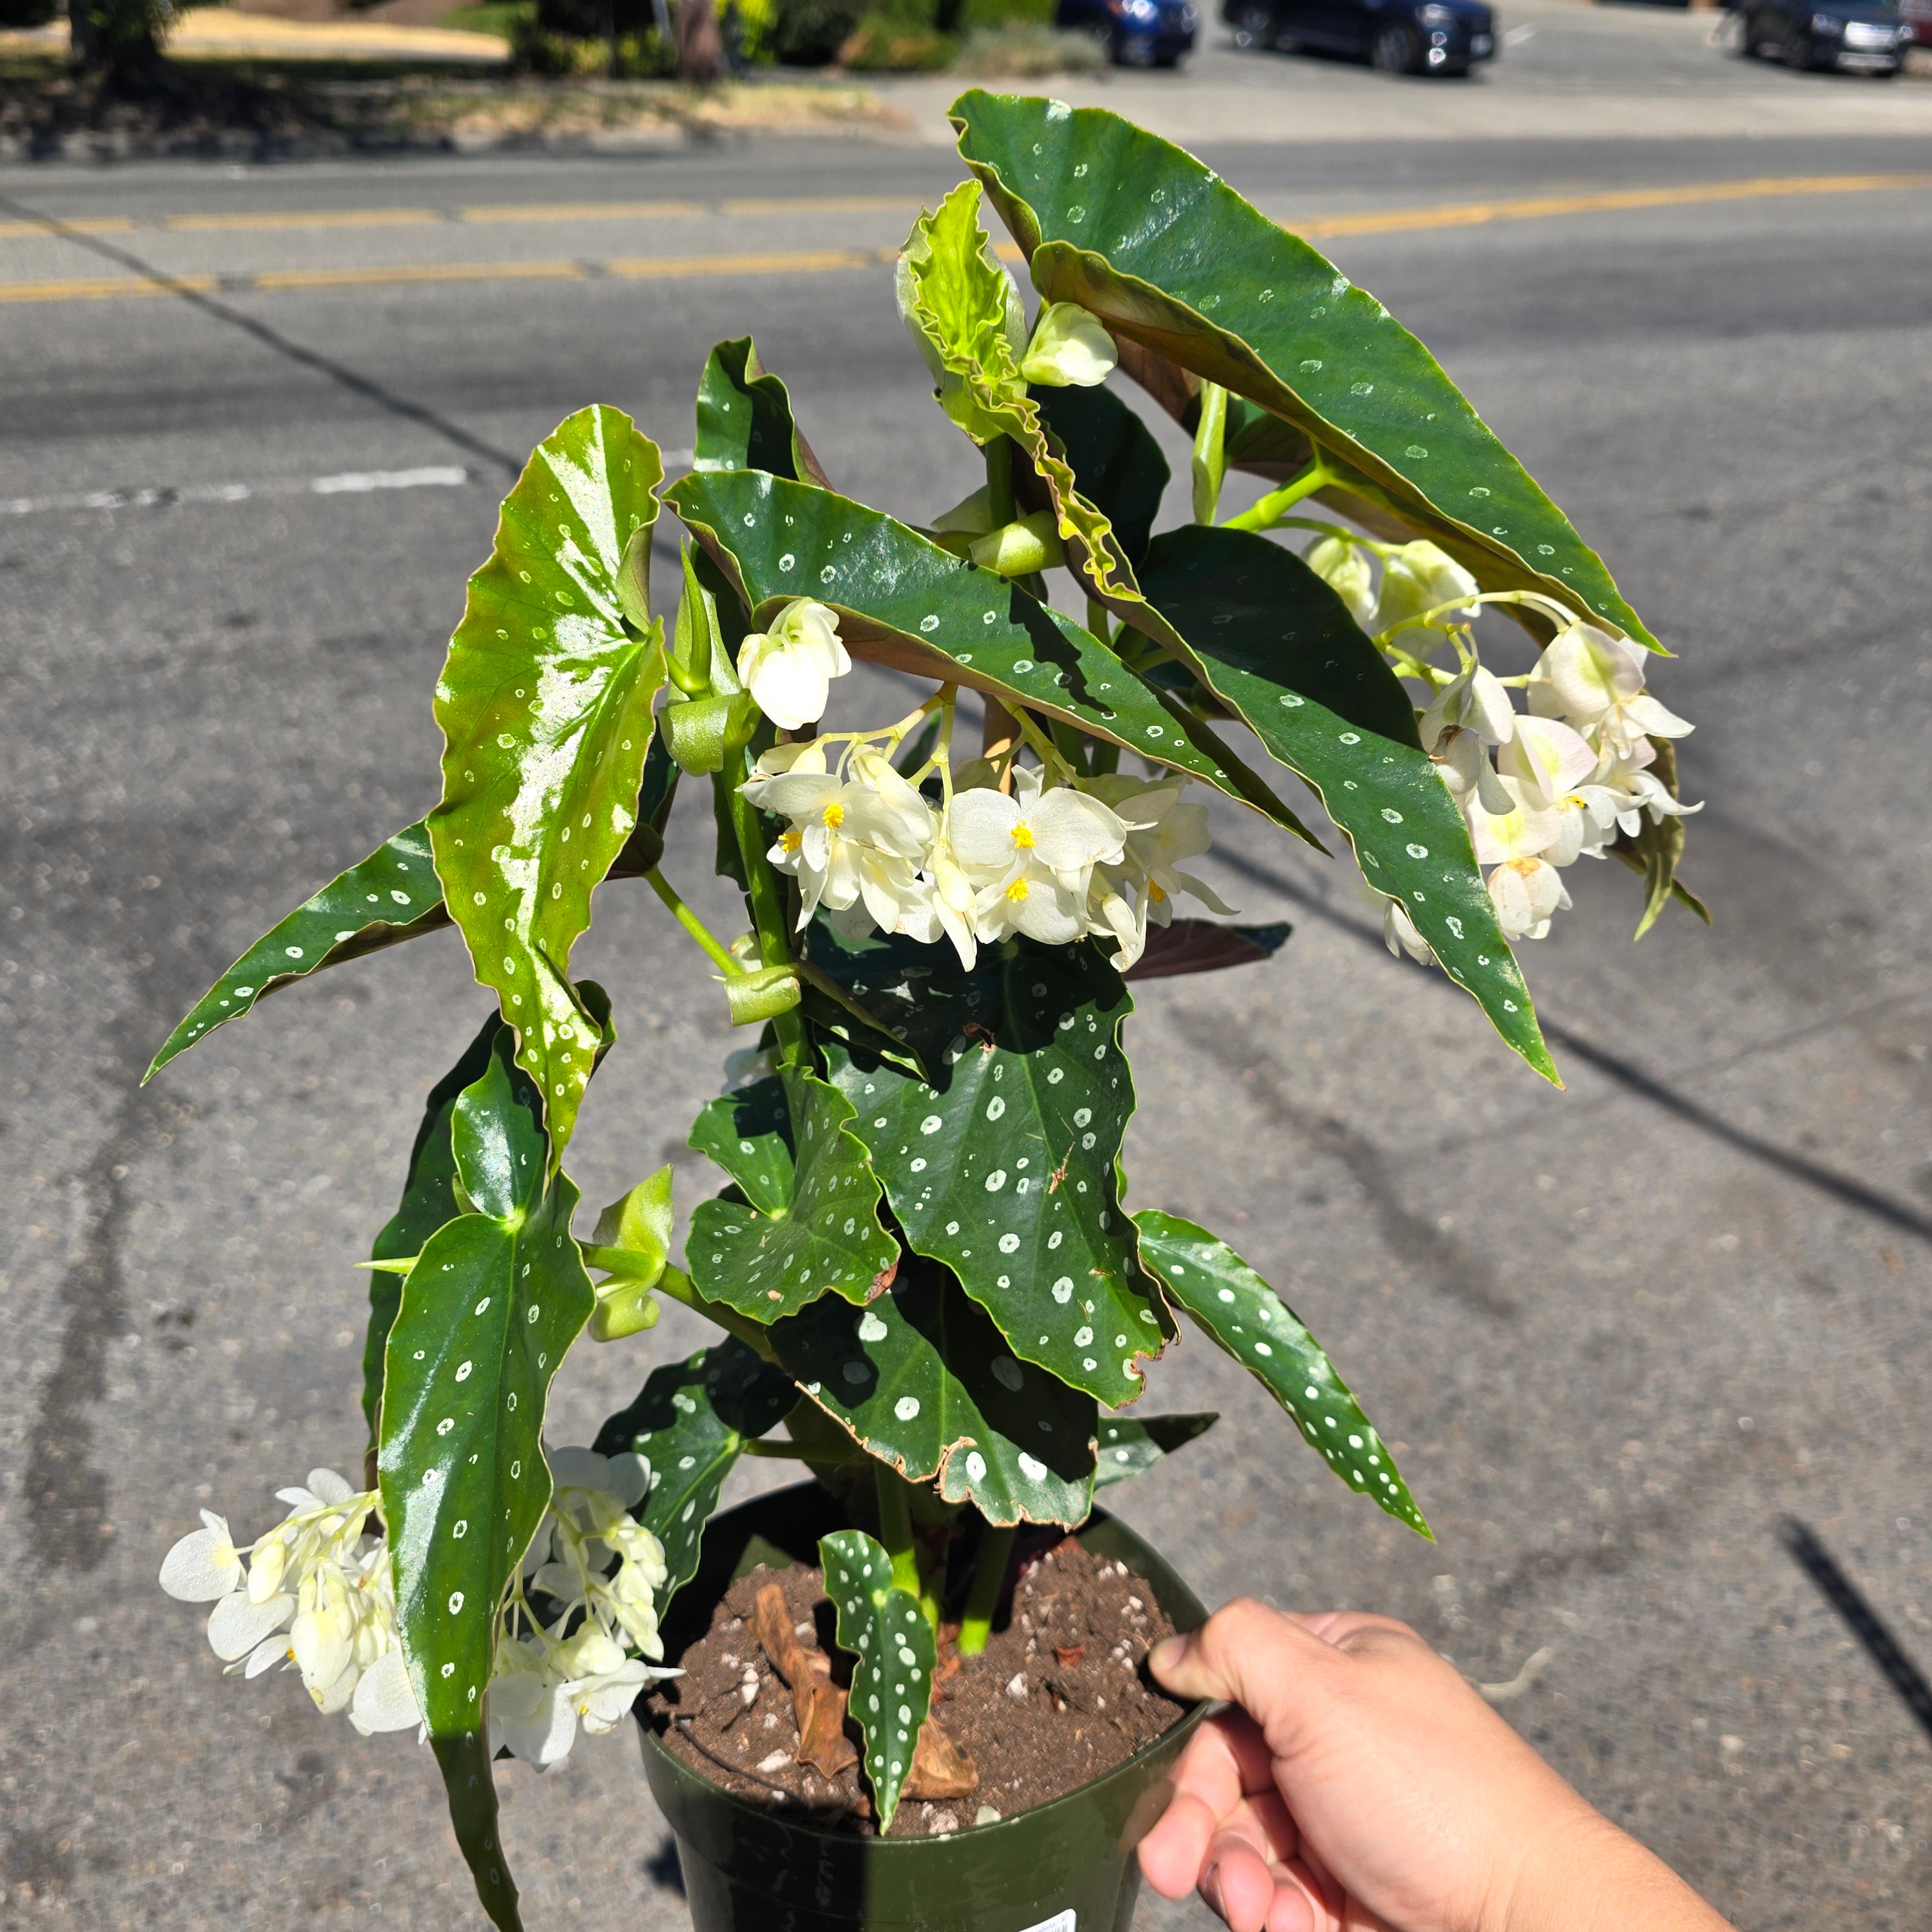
(318, 1592)
(1539, 790)
(1009, 849)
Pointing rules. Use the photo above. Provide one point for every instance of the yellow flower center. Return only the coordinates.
(1155, 896)
(1023, 836)
(834, 815)
(1017, 891)
(792, 840)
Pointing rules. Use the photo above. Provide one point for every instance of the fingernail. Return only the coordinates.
(1166, 1654)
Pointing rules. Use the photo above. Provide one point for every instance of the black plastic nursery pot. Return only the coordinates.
(1065, 1867)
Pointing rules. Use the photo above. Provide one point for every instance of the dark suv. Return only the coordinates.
(1136, 33)
(1854, 35)
(1398, 36)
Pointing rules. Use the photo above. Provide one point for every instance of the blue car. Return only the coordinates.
(1397, 36)
(1137, 33)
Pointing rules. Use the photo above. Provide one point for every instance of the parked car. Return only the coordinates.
(1856, 36)
(1137, 33)
(1397, 36)
(1919, 13)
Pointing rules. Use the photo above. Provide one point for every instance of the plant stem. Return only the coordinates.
(768, 912)
(692, 924)
(1264, 514)
(999, 508)
(895, 1527)
(989, 1574)
(679, 1288)
(1098, 622)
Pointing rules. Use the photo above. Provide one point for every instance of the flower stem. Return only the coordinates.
(1272, 507)
(692, 924)
(989, 1573)
(768, 910)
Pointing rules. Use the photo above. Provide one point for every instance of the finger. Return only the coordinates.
(1174, 1854)
(1229, 1753)
(1237, 1881)
(1295, 1907)
(1273, 1666)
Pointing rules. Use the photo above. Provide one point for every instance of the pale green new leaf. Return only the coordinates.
(545, 706)
(884, 1628)
(1240, 1311)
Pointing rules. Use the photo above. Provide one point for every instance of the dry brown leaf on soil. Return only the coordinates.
(817, 1703)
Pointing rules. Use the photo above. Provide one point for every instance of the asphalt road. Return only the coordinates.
(1614, 1332)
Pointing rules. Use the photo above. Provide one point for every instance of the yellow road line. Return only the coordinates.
(581, 211)
(103, 289)
(28, 231)
(807, 263)
(335, 217)
(427, 272)
(1470, 214)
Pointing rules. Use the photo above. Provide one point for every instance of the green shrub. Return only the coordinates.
(27, 12)
(877, 46)
(809, 33)
(1025, 50)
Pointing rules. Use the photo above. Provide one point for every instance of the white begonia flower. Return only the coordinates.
(1525, 830)
(1161, 832)
(1344, 567)
(1464, 764)
(240, 1623)
(1596, 681)
(526, 1708)
(1527, 893)
(947, 910)
(1399, 935)
(805, 758)
(324, 1625)
(861, 837)
(789, 669)
(1646, 792)
(1070, 348)
(1034, 900)
(1419, 579)
(603, 1700)
(204, 1565)
(1476, 701)
(385, 1699)
(1547, 759)
(997, 838)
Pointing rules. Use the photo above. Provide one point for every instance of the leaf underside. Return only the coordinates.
(691, 1421)
(545, 706)
(745, 418)
(1204, 945)
(924, 1380)
(1138, 232)
(1239, 1310)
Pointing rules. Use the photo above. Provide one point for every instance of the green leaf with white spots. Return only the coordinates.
(748, 1132)
(903, 602)
(1115, 460)
(1129, 1447)
(925, 1382)
(496, 1297)
(691, 1421)
(883, 1627)
(768, 1261)
(545, 706)
(745, 419)
(1167, 255)
(1004, 1167)
(1276, 645)
(428, 1202)
(471, 1786)
(392, 895)
(1241, 1313)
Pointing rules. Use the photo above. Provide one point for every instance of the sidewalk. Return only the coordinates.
(223, 33)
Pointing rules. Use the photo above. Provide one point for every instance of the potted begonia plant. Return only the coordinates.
(923, 1265)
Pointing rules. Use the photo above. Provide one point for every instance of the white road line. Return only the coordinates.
(349, 482)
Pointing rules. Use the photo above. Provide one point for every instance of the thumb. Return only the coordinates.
(1276, 1667)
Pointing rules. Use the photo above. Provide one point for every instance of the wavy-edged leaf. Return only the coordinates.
(392, 895)
(748, 1132)
(1240, 1311)
(924, 1380)
(691, 1420)
(745, 419)
(884, 1628)
(1005, 1167)
(496, 1297)
(905, 602)
(1166, 254)
(1115, 460)
(1657, 849)
(545, 706)
(471, 1786)
(825, 1237)
(1205, 946)
(429, 1201)
(1131, 1447)
(1270, 640)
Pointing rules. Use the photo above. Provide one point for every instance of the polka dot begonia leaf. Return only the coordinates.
(1239, 1311)
(392, 895)
(745, 419)
(1005, 1166)
(825, 1237)
(545, 706)
(1128, 1446)
(691, 1421)
(496, 1297)
(925, 1382)
(882, 1627)
(748, 1132)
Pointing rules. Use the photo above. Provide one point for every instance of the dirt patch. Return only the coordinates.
(1060, 1695)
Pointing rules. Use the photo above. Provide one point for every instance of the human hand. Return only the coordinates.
(1363, 1787)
